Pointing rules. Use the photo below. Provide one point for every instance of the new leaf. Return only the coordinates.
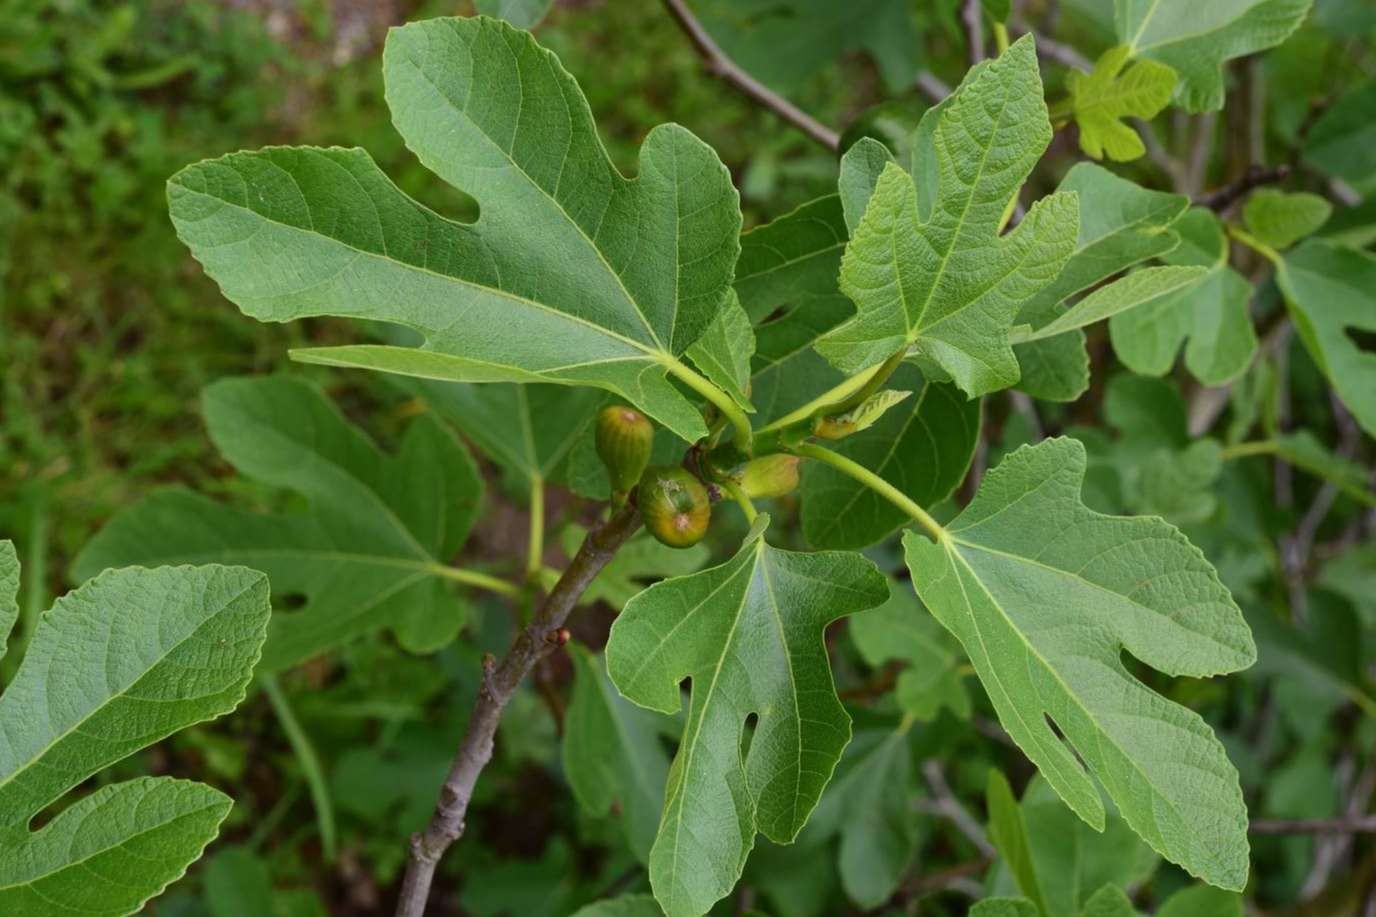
(1045, 595)
(749, 635)
(1114, 90)
(572, 274)
(929, 271)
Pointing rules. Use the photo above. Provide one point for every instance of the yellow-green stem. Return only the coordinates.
(1001, 37)
(1242, 450)
(874, 482)
(843, 396)
(535, 551)
(1252, 242)
(723, 401)
(311, 770)
(732, 488)
(474, 579)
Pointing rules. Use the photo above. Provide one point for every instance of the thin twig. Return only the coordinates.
(1159, 155)
(499, 682)
(1256, 176)
(932, 87)
(720, 65)
(1359, 824)
(946, 803)
(972, 18)
(1061, 54)
(1197, 164)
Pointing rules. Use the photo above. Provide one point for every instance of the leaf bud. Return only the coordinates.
(769, 476)
(675, 506)
(624, 438)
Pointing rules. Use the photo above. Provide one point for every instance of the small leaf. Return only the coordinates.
(125, 660)
(1061, 862)
(368, 554)
(1202, 901)
(611, 754)
(1211, 314)
(1109, 901)
(1282, 218)
(723, 352)
(1303, 450)
(901, 629)
(523, 14)
(1127, 225)
(1340, 142)
(1331, 295)
(1196, 40)
(749, 635)
(1114, 90)
(572, 274)
(861, 417)
(1045, 595)
(861, 166)
(1008, 831)
(869, 805)
(924, 449)
(933, 275)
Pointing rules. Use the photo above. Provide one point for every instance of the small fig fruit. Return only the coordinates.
(769, 476)
(623, 439)
(675, 506)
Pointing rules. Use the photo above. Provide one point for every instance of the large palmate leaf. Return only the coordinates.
(1331, 293)
(1126, 226)
(923, 446)
(1113, 90)
(611, 753)
(749, 635)
(572, 274)
(127, 659)
(1045, 595)
(926, 266)
(1197, 38)
(1210, 313)
(372, 550)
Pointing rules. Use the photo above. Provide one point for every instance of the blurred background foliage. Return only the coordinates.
(108, 333)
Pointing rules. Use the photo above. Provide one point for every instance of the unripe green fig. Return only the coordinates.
(769, 476)
(624, 439)
(675, 506)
